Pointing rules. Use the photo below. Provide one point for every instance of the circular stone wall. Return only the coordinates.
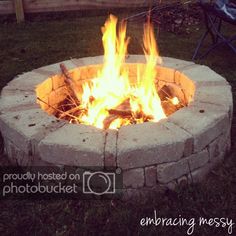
(183, 147)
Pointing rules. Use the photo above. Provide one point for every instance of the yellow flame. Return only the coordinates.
(175, 100)
(148, 98)
(112, 86)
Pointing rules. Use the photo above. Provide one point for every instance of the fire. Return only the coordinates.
(111, 91)
(175, 101)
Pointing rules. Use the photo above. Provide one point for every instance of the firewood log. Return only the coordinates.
(120, 113)
(69, 82)
(108, 120)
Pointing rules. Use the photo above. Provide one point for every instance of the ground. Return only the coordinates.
(43, 40)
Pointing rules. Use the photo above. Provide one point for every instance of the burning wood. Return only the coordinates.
(69, 82)
(95, 102)
(120, 113)
(122, 110)
(71, 109)
(108, 120)
(171, 90)
(168, 107)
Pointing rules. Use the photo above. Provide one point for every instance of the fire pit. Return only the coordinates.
(182, 143)
(115, 93)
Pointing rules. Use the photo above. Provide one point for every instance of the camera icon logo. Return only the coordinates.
(98, 183)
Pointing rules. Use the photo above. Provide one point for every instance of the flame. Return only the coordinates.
(112, 88)
(175, 101)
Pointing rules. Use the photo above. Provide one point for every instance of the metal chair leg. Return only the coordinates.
(219, 35)
(199, 45)
(213, 28)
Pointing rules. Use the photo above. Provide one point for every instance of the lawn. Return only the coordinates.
(44, 40)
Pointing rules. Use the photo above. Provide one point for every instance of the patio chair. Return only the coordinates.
(215, 13)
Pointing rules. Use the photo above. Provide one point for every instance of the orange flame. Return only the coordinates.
(112, 87)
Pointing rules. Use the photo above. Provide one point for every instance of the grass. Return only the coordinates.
(42, 41)
(38, 43)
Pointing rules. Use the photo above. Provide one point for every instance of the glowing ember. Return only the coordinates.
(111, 91)
(175, 100)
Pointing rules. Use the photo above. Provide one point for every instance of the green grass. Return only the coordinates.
(41, 42)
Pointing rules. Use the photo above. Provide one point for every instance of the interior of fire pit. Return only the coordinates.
(116, 93)
(53, 93)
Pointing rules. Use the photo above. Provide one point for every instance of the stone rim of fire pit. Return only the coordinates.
(192, 139)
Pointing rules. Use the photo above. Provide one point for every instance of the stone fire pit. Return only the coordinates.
(183, 147)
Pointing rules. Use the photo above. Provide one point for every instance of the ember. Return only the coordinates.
(112, 99)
